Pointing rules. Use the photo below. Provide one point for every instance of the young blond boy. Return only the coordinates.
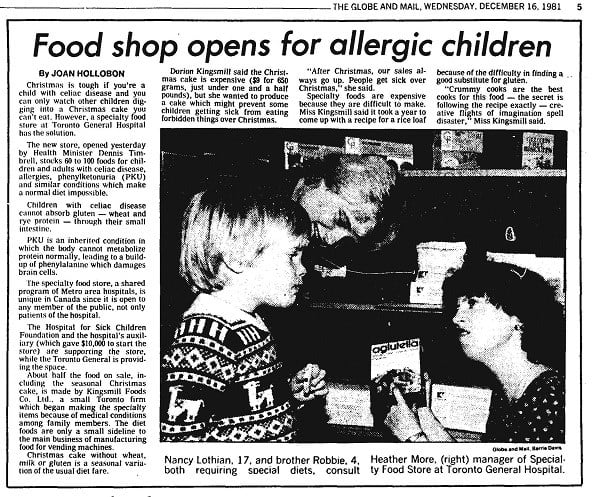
(241, 249)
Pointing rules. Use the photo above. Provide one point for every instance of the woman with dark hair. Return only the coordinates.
(507, 318)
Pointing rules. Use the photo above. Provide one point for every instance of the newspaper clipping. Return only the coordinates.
(352, 228)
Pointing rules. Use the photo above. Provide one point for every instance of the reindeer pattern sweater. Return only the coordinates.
(222, 379)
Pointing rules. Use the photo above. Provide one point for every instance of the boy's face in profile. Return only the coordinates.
(275, 276)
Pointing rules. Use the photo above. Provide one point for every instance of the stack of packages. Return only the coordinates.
(399, 155)
(457, 149)
(436, 260)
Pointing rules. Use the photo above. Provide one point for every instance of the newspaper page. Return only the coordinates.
(214, 213)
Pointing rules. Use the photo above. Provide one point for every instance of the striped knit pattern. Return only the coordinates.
(223, 382)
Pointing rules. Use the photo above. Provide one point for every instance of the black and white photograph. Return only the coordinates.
(362, 285)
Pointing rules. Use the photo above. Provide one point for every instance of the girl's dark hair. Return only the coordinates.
(518, 292)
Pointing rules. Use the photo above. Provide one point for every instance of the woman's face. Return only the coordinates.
(335, 218)
(484, 329)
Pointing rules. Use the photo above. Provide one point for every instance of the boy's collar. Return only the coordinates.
(206, 302)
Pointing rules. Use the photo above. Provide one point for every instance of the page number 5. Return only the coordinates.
(579, 6)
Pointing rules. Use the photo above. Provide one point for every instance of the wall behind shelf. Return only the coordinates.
(444, 208)
(479, 210)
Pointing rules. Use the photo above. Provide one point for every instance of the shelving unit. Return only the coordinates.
(382, 307)
(482, 173)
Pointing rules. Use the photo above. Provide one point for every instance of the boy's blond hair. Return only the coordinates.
(227, 223)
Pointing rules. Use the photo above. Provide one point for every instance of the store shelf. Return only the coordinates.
(482, 173)
(384, 306)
